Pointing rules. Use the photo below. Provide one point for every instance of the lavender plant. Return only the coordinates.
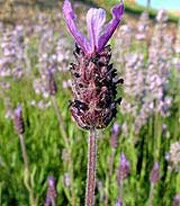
(20, 128)
(94, 80)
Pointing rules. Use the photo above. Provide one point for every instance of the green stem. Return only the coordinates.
(27, 171)
(111, 162)
(60, 120)
(151, 195)
(120, 192)
(91, 168)
(67, 144)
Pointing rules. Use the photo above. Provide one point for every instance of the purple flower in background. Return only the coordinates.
(176, 200)
(99, 32)
(123, 170)
(119, 202)
(51, 193)
(154, 176)
(67, 180)
(114, 136)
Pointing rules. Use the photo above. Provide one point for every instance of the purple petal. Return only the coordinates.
(95, 20)
(18, 110)
(70, 19)
(110, 28)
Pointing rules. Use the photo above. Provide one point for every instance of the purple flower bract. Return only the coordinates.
(99, 32)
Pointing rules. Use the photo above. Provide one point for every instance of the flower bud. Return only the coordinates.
(52, 86)
(18, 120)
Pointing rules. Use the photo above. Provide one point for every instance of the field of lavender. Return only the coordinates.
(43, 153)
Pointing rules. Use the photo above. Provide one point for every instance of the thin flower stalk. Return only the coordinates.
(27, 176)
(91, 170)
(66, 141)
(120, 193)
(122, 174)
(114, 143)
(108, 180)
(52, 88)
(60, 120)
(151, 194)
(154, 178)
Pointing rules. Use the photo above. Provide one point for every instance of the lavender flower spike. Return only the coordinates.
(95, 103)
(95, 23)
(18, 120)
(51, 193)
(154, 176)
(123, 170)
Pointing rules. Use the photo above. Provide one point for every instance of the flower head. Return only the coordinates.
(94, 80)
(18, 120)
(99, 32)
